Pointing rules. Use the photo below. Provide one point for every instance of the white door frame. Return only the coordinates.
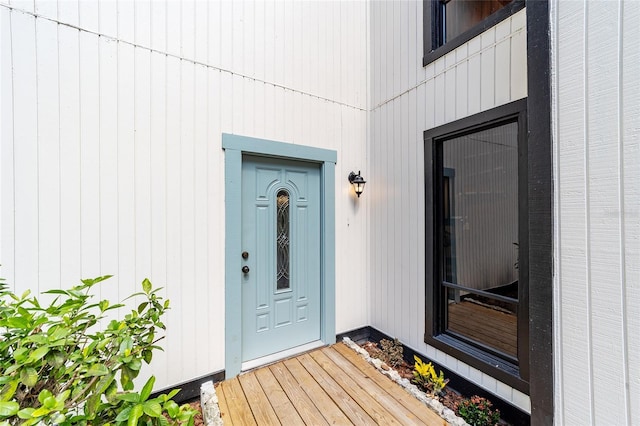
(235, 147)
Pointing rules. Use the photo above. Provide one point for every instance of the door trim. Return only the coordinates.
(235, 147)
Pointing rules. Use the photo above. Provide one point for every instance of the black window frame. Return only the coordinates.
(434, 45)
(515, 374)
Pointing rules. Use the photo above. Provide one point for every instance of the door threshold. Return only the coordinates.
(270, 359)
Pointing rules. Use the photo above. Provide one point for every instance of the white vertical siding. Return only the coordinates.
(48, 150)
(108, 166)
(7, 229)
(629, 188)
(111, 159)
(406, 99)
(315, 47)
(25, 153)
(596, 89)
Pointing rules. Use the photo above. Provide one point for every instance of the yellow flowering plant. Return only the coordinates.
(425, 376)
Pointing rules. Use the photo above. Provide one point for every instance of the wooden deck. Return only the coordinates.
(333, 385)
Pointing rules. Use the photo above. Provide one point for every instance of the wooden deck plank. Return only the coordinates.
(361, 396)
(423, 413)
(239, 408)
(398, 411)
(225, 412)
(280, 402)
(293, 389)
(310, 386)
(260, 405)
(351, 408)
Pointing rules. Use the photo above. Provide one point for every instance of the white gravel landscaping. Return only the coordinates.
(209, 403)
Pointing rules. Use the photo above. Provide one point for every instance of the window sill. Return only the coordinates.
(495, 367)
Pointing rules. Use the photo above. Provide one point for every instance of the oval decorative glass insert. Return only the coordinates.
(282, 240)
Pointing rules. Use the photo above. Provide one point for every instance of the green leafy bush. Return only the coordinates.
(59, 368)
(391, 352)
(425, 376)
(477, 412)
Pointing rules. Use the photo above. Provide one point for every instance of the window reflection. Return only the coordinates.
(462, 15)
(480, 236)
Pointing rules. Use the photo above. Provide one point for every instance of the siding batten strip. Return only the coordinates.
(607, 321)
(589, 289)
(621, 213)
(558, 377)
(630, 130)
(7, 149)
(38, 162)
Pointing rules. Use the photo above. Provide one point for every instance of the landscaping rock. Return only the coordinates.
(209, 403)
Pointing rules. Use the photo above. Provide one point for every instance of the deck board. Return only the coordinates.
(284, 409)
(295, 392)
(379, 394)
(224, 408)
(264, 413)
(329, 409)
(343, 400)
(360, 395)
(327, 386)
(237, 402)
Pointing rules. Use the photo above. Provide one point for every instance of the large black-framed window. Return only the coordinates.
(478, 294)
(447, 24)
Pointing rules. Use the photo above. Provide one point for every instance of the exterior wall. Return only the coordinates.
(407, 99)
(111, 160)
(596, 118)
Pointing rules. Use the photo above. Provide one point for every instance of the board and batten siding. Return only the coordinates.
(596, 119)
(407, 99)
(111, 160)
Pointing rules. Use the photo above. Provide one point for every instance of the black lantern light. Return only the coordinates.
(358, 182)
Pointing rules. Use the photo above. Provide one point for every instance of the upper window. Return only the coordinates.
(450, 23)
(478, 299)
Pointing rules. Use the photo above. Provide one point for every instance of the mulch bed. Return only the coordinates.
(198, 421)
(449, 398)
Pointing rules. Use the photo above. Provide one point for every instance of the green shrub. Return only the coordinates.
(59, 368)
(477, 412)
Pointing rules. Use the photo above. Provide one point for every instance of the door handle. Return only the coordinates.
(245, 269)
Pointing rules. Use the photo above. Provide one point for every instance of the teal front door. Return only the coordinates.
(280, 255)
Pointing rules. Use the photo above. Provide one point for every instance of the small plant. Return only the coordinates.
(58, 368)
(391, 352)
(425, 376)
(477, 412)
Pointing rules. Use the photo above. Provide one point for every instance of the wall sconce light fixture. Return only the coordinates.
(358, 182)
